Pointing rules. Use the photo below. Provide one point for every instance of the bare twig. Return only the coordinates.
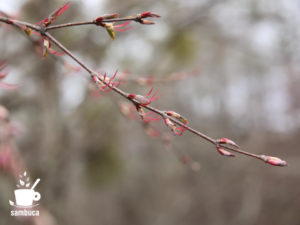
(173, 120)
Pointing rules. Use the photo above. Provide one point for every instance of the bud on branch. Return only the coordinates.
(274, 161)
(144, 100)
(105, 83)
(140, 18)
(173, 120)
(222, 151)
(52, 17)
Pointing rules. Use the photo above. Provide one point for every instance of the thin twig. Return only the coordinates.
(74, 24)
(163, 114)
(69, 25)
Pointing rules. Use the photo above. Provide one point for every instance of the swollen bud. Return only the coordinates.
(140, 18)
(224, 152)
(227, 142)
(147, 22)
(170, 124)
(274, 161)
(141, 99)
(149, 14)
(99, 19)
(177, 116)
(176, 130)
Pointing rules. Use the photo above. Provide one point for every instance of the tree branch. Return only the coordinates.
(173, 120)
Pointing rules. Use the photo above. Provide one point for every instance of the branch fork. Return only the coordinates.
(172, 119)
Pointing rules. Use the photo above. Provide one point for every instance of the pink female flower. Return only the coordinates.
(176, 130)
(146, 116)
(106, 83)
(145, 100)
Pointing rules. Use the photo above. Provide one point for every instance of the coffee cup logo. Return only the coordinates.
(25, 195)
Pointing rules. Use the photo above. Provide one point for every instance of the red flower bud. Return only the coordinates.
(274, 161)
(176, 130)
(177, 116)
(149, 14)
(147, 22)
(224, 152)
(144, 100)
(227, 141)
(95, 79)
(169, 123)
(98, 21)
(172, 113)
(132, 96)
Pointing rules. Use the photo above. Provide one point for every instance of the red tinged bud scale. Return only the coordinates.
(227, 142)
(144, 100)
(274, 161)
(52, 17)
(224, 152)
(149, 14)
(147, 22)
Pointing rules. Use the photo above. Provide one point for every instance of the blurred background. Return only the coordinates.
(238, 64)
